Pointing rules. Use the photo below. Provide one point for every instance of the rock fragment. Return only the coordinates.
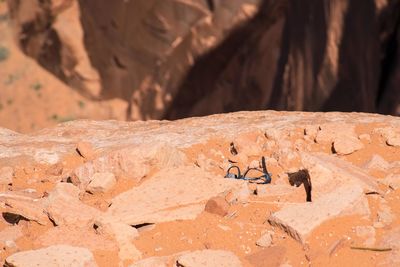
(345, 145)
(299, 220)
(53, 256)
(209, 258)
(217, 205)
(377, 163)
(64, 208)
(328, 172)
(101, 182)
(393, 140)
(124, 235)
(6, 175)
(27, 207)
(265, 240)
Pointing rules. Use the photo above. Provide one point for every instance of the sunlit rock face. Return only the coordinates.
(174, 59)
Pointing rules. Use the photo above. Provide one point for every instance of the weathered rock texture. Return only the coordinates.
(157, 190)
(173, 59)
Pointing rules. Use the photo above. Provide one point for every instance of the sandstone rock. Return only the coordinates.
(392, 180)
(72, 235)
(217, 205)
(171, 194)
(391, 134)
(367, 233)
(101, 182)
(265, 240)
(64, 208)
(46, 156)
(394, 140)
(346, 145)
(133, 162)
(329, 172)
(377, 163)
(27, 207)
(124, 235)
(54, 256)
(211, 258)
(85, 150)
(330, 132)
(6, 175)
(299, 220)
(240, 194)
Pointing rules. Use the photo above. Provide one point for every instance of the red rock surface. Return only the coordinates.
(155, 213)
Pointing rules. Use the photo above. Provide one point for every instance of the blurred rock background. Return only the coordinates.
(169, 59)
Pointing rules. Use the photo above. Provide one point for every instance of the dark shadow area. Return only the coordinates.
(302, 177)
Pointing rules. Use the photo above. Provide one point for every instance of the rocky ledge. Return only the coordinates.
(110, 193)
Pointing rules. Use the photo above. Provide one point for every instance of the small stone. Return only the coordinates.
(217, 205)
(85, 150)
(101, 182)
(393, 140)
(265, 240)
(6, 175)
(368, 233)
(346, 145)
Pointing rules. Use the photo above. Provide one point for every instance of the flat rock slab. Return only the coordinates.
(209, 258)
(72, 236)
(64, 207)
(169, 195)
(329, 172)
(54, 256)
(300, 219)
